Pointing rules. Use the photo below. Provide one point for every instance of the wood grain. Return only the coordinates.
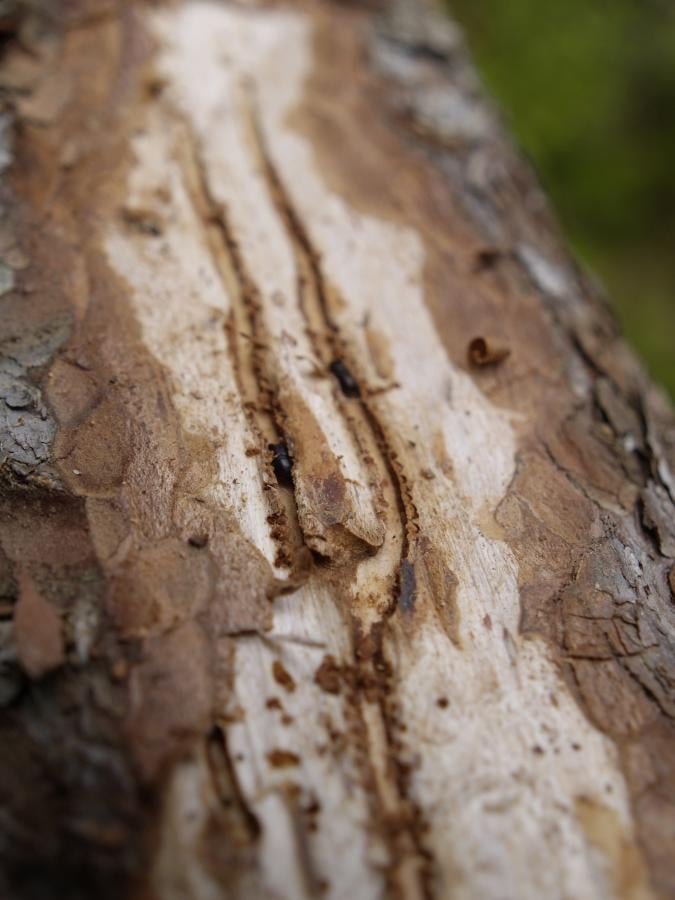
(437, 660)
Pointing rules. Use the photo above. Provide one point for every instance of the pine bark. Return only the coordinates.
(336, 517)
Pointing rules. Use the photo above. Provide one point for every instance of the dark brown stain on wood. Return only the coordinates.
(329, 675)
(283, 759)
(282, 676)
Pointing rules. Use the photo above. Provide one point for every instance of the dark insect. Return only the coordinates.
(282, 464)
(345, 379)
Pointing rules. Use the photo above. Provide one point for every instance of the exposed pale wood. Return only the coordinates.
(440, 663)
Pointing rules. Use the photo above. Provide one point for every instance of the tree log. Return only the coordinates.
(337, 518)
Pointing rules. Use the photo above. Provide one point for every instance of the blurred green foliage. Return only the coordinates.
(589, 89)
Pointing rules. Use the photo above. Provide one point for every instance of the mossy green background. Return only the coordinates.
(589, 89)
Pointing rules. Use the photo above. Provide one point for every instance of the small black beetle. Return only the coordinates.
(282, 464)
(345, 378)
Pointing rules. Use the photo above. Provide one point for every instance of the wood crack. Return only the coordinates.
(227, 787)
(410, 862)
(325, 334)
(246, 340)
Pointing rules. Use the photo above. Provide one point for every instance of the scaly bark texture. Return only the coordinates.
(436, 657)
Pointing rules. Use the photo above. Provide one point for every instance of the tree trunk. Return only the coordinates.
(337, 522)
